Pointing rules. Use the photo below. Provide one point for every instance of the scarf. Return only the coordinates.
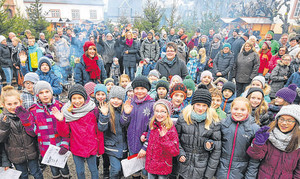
(92, 67)
(140, 101)
(129, 42)
(247, 53)
(77, 113)
(279, 139)
(198, 117)
(168, 62)
(216, 45)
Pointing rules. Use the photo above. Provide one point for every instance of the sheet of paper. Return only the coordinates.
(53, 158)
(133, 165)
(10, 173)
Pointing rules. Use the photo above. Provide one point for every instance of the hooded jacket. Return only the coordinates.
(150, 49)
(277, 77)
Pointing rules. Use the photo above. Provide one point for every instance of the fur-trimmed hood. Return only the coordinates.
(220, 79)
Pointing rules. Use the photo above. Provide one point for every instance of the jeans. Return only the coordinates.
(153, 176)
(115, 167)
(34, 168)
(8, 75)
(130, 72)
(56, 171)
(79, 163)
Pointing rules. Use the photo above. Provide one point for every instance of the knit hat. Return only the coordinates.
(87, 45)
(2, 38)
(178, 88)
(202, 95)
(42, 85)
(271, 33)
(154, 73)
(290, 110)
(183, 37)
(176, 76)
(252, 90)
(165, 102)
(100, 87)
(77, 89)
(32, 77)
(107, 80)
(229, 85)
(117, 92)
(288, 93)
(260, 79)
(89, 87)
(268, 43)
(189, 83)
(204, 36)
(246, 35)
(128, 87)
(44, 60)
(217, 36)
(144, 34)
(236, 30)
(141, 81)
(227, 45)
(206, 73)
(193, 53)
(163, 83)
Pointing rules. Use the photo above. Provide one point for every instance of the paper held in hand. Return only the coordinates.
(53, 158)
(9, 173)
(132, 165)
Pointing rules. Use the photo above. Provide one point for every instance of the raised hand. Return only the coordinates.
(57, 114)
(143, 138)
(128, 107)
(262, 135)
(22, 113)
(103, 107)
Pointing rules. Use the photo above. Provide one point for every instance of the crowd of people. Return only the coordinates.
(213, 106)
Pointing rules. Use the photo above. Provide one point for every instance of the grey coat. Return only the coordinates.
(5, 56)
(277, 77)
(223, 63)
(109, 50)
(150, 50)
(178, 68)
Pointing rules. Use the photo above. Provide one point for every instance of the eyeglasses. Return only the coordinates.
(282, 120)
(161, 112)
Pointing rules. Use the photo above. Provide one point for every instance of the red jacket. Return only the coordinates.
(264, 61)
(85, 138)
(273, 62)
(161, 150)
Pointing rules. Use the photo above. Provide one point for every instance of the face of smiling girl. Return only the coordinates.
(239, 111)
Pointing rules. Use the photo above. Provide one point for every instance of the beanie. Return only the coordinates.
(154, 73)
(227, 45)
(100, 87)
(165, 102)
(260, 79)
(268, 43)
(128, 87)
(176, 76)
(117, 92)
(189, 83)
(229, 85)
(271, 33)
(107, 80)
(288, 93)
(77, 89)
(252, 90)
(178, 88)
(163, 83)
(32, 77)
(44, 60)
(89, 88)
(2, 38)
(206, 73)
(144, 34)
(290, 110)
(217, 36)
(202, 95)
(87, 45)
(141, 81)
(42, 85)
(193, 53)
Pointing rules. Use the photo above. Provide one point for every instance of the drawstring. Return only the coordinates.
(233, 147)
(225, 104)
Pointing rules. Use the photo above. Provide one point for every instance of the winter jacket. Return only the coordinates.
(200, 162)
(44, 44)
(294, 66)
(5, 56)
(242, 166)
(226, 103)
(15, 54)
(19, 146)
(237, 46)
(28, 99)
(272, 112)
(223, 63)
(85, 138)
(177, 68)
(246, 67)
(277, 77)
(62, 51)
(161, 150)
(109, 50)
(293, 51)
(295, 79)
(274, 162)
(206, 46)
(137, 122)
(82, 77)
(213, 52)
(34, 55)
(4, 162)
(51, 78)
(43, 124)
(114, 144)
(150, 49)
(274, 45)
(130, 59)
(263, 117)
(264, 59)
(273, 62)
(192, 67)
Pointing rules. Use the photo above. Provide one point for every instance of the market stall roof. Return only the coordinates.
(254, 20)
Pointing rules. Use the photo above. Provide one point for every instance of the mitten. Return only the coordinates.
(262, 135)
(22, 113)
(63, 151)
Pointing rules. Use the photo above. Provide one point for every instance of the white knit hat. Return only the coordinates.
(2, 38)
(290, 110)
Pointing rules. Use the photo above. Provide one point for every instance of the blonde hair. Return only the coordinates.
(9, 91)
(113, 118)
(242, 99)
(261, 109)
(126, 34)
(16, 39)
(124, 76)
(168, 123)
(203, 56)
(212, 116)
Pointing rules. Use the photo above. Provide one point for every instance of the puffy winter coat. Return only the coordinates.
(15, 54)
(242, 166)
(51, 78)
(226, 103)
(177, 68)
(294, 66)
(264, 61)
(161, 150)
(277, 77)
(213, 52)
(295, 79)
(19, 146)
(293, 51)
(130, 59)
(150, 49)
(237, 46)
(200, 162)
(223, 63)
(62, 51)
(109, 50)
(5, 56)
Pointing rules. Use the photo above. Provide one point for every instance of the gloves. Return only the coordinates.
(262, 135)
(22, 113)
(63, 151)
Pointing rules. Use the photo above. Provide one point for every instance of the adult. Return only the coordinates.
(194, 42)
(5, 60)
(215, 46)
(26, 38)
(204, 44)
(150, 48)
(211, 35)
(172, 36)
(283, 42)
(11, 35)
(171, 65)
(109, 51)
(254, 42)
(223, 62)
(274, 44)
(235, 35)
(90, 67)
(246, 67)
(43, 43)
(294, 47)
(273, 62)
(60, 32)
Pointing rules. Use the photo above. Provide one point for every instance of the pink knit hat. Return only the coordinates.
(89, 87)
(165, 102)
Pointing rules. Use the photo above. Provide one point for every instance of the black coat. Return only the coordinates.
(5, 56)
(237, 46)
(223, 63)
(178, 68)
(130, 59)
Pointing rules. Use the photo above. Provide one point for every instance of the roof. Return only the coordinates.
(133, 7)
(254, 20)
(227, 20)
(74, 2)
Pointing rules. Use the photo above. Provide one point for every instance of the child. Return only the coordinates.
(109, 82)
(89, 88)
(264, 58)
(40, 121)
(45, 74)
(219, 83)
(190, 85)
(228, 92)
(163, 142)
(193, 64)
(129, 92)
(199, 137)
(259, 106)
(20, 147)
(178, 95)
(294, 79)
(162, 89)
(216, 102)
(153, 78)
(124, 80)
(206, 78)
(114, 133)
(259, 82)
(277, 146)
(28, 98)
(175, 79)
(79, 116)
(237, 130)
(203, 60)
(115, 69)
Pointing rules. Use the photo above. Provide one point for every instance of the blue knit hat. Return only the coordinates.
(227, 45)
(100, 87)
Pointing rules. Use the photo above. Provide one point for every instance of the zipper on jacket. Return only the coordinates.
(233, 148)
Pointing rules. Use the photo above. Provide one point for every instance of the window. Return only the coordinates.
(297, 10)
(75, 14)
(55, 13)
(93, 14)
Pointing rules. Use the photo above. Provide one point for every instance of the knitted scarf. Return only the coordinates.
(168, 62)
(198, 117)
(129, 42)
(215, 45)
(279, 139)
(77, 113)
(91, 66)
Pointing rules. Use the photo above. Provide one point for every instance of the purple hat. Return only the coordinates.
(144, 34)
(288, 93)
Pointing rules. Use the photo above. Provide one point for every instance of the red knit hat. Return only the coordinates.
(183, 37)
(89, 87)
(87, 45)
(178, 88)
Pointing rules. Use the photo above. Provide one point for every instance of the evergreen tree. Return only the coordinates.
(209, 21)
(152, 16)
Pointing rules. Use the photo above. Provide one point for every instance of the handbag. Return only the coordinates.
(20, 78)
